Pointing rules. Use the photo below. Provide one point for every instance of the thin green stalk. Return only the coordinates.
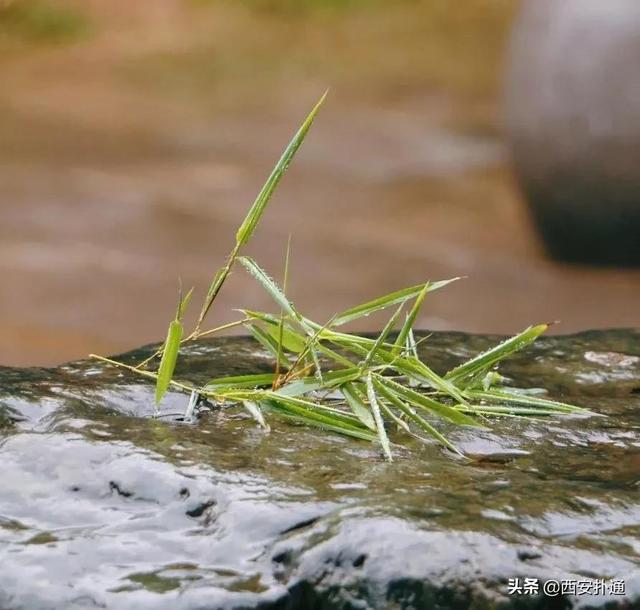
(148, 374)
(410, 320)
(281, 323)
(252, 219)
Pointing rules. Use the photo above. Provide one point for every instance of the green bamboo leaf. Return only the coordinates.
(400, 296)
(411, 350)
(394, 399)
(484, 361)
(510, 411)
(317, 408)
(327, 333)
(403, 335)
(242, 381)
(288, 338)
(375, 408)
(419, 371)
(335, 356)
(300, 387)
(270, 286)
(330, 380)
(512, 397)
(169, 359)
(356, 402)
(268, 342)
(425, 402)
(333, 379)
(291, 339)
(252, 219)
(324, 423)
(411, 367)
(314, 412)
(263, 316)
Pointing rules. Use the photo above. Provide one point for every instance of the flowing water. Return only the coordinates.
(103, 506)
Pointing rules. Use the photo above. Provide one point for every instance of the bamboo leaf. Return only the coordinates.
(403, 335)
(411, 367)
(511, 397)
(252, 219)
(291, 339)
(484, 361)
(316, 408)
(300, 408)
(330, 380)
(338, 358)
(299, 387)
(242, 381)
(268, 343)
(169, 359)
(400, 296)
(270, 286)
(425, 402)
(394, 399)
(356, 403)
(325, 423)
(287, 338)
(510, 411)
(420, 371)
(375, 408)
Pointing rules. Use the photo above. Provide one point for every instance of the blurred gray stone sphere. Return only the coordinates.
(573, 120)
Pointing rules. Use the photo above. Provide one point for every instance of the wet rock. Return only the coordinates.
(103, 507)
(573, 106)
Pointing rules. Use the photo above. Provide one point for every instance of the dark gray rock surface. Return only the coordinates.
(103, 507)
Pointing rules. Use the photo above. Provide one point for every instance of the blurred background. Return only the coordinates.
(135, 135)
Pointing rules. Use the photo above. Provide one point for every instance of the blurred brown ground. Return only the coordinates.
(134, 136)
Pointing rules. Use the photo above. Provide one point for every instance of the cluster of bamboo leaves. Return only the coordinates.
(339, 381)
